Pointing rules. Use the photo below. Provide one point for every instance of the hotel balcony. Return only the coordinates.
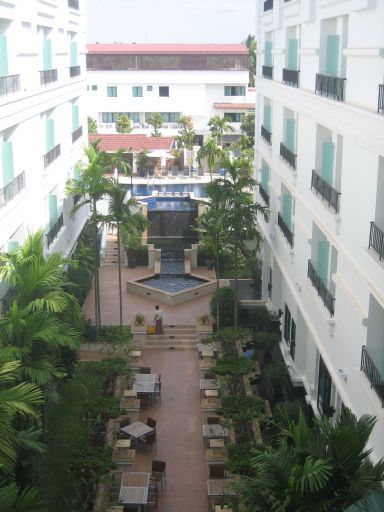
(9, 84)
(268, 5)
(73, 4)
(77, 134)
(373, 374)
(74, 71)
(11, 190)
(267, 72)
(285, 229)
(51, 155)
(267, 136)
(287, 155)
(330, 86)
(264, 194)
(380, 103)
(376, 240)
(325, 190)
(47, 77)
(291, 77)
(53, 232)
(322, 290)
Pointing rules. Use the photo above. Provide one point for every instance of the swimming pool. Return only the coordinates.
(175, 204)
(198, 189)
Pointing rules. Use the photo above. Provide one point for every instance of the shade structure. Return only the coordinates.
(160, 153)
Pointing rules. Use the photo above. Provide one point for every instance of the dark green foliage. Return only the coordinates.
(233, 366)
(240, 457)
(226, 306)
(275, 373)
(107, 334)
(142, 256)
(81, 272)
(242, 407)
(286, 412)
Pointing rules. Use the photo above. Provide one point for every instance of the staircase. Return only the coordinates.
(111, 250)
(174, 337)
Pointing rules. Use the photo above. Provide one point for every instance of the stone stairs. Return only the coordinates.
(174, 337)
(111, 250)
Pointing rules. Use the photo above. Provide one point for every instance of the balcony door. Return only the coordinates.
(324, 390)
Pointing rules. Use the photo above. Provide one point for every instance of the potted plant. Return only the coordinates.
(139, 319)
(203, 319)
(142, 162)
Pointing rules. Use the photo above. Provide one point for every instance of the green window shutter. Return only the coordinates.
(7, 162)
(13, 246)
(327, 162)
(265, 177)
(50, 134)
(77, 171)
(52, 210)
(287, 209)
(290, 135)
(332, 55)
(267, 122)
(227, 90)
(3, 55)
(268, 53)
(293, 45)
(75, 117)
(322, 260)
(47, 54)
(73, 53)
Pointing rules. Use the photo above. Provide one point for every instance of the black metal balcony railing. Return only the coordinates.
(330, 86)
(322, 290)
(74, 4)
(268, 5)
(9, 84)
(74, 71)
(291, 77)
(51, 155)
(285, 229)
(373, 374)
(267, 136)
(48, 76)
(267, 72)
(376, 240)
(287, 155)
(52, 233)
(380, 103)
(264, 194)
(77, 134)
(325, 190)
(11, 190)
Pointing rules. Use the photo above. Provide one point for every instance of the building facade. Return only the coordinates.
(320, 168)
(42, 120)
(196, 80)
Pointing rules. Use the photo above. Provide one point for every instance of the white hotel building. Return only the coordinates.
(197, 80)
(42, 120)
(320, 165)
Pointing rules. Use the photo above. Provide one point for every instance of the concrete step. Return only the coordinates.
(172, 337)
(169, 344)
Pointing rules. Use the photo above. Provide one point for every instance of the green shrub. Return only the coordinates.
(226, 302)
(242, 407)
(237, 365)
(240, 457)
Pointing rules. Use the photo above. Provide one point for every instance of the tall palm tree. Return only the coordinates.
(250, 42)
(210, 152)
(92, 185)
(242, 212)
(121, 214)
(218, 126)
(13, 499)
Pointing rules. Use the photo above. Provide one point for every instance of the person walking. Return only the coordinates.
(158, 320)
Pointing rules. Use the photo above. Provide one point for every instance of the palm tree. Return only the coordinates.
(211, 152)
(120, 215)
(218, 126)
(92, 185)
(211, 225)
(156, 121)
(242, 212)
(250, 42)
(13, 499)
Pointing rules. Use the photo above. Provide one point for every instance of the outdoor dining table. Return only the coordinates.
(220, 486)
(134, 488)
(144, 387)
(145, 377)
(216, 430)
(208, 384)
(137, 429)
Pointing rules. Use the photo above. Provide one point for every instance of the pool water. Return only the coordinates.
(172, 283)
(170, 204)
(197, 189)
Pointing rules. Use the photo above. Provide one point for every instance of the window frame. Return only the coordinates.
(112, 91)
(160, 91)
(137, 91)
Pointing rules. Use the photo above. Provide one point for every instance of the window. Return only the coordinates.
(164, 91)
(171, 117)
(233, 117)
(149, 88)
(287, 324)
(292, 347)
(234, 90)
(324, 390)
(137, 91)
(112, 91)
(94, 87)
(111, 117)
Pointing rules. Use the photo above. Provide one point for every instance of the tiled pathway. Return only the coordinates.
(179, 431)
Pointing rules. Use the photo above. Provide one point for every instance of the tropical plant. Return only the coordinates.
(321, 468)
(92, 185)
(155, 119)
(142, 160)
(247, 128)
(233, 365)
(218, 126)
(250, 42)
(13, 499)
(186, 133)
(224, 300)
(242, 407)
(123, 124)
(92, 126)
(212, 153)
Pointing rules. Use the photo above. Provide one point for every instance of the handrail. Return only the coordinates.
(325, 190)
(53, 232)
(373, 374)
(288, 234)
(11, 190)
(322, 290)
(9, 84)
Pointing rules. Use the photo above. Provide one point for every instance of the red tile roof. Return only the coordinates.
(235, 106)
(113, 141)
(168, 48)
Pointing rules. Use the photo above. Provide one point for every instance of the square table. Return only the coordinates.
(216, 443)
(144, 387)
(208, 384)
(137, 429)
(216, 430)
(134, 488)
(220, 486)
(145, 377)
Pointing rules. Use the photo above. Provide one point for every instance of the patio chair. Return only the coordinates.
(175, 171)
(151, 172)
(151, 422)
(164, 171)
(149, 440)
(157, 392)
(158, 378)
(186, 172)
(144, 369)
(200, 172)
(216, 470)
(213, 420)
(158, 471)
(124, 422)
(145, 399)
(209, 376)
